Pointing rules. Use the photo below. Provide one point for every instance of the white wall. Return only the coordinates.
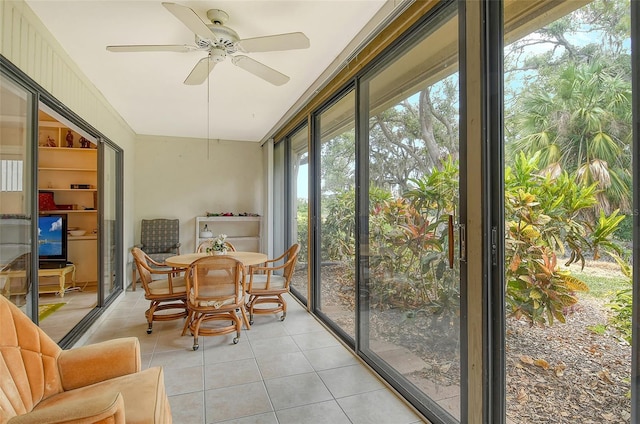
(185, 177)
(26, 42)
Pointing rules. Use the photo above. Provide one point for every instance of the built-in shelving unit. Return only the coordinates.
(60, 169)
(244, 232)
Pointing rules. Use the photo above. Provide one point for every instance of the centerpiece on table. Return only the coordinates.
(218, 245)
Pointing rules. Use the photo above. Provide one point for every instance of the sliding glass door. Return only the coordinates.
(298, 177)
(335, 215)
(410, 314)
(111, 212)
(569, 213)
(17, 123)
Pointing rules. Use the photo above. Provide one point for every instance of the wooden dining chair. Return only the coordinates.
(214, 297)
(269, 281)
(166, 291)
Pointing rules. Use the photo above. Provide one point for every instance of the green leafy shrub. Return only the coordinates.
(408, 243)
(545, 216)
(622, 304)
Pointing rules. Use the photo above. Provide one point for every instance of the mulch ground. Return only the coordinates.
(567, 373)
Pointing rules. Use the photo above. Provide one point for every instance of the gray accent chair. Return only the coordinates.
(159, 239)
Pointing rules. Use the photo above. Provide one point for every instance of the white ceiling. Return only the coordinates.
(147, 88)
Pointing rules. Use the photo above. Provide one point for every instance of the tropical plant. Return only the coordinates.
(577, 114)
(407, 245)
(545, 218)
(622, 305)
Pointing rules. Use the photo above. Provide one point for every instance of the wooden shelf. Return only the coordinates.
(67, 169)
(68, 189)
(86, 237)
(75, 149)
(69, 211)
(244, 232)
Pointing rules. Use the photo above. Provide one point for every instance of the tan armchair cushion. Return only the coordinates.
(158, 287)
(260, 281)
(99, 362)
(145, 399)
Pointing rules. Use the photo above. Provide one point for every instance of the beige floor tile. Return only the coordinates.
(179, 381)
(350, 380)
(236, 402)
(188, 408)
(315, 340)
(282, 365)
(231, 373)
(330, 357)
(317, 413)
(273, 346)
(183, 358)
(266, 418)
(377, 407)
(296, 390)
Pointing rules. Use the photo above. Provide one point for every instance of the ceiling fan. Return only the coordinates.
(219, 42)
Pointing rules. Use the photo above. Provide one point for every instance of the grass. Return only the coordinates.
(602, 287)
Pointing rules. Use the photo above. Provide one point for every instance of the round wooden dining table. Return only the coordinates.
(247, 258)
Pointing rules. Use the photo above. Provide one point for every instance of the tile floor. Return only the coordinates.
(293, 371)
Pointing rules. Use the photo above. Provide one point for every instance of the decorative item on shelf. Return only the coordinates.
(51, 142)
(46, 202)
(209, 214)
(84, 143)
(77, 233)
(205, 233)
(218, 245)
(80, 186)
(69, 139)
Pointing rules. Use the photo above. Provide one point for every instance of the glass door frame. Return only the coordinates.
(290, 204)
(442, 12)
(41, 96)
(635, 101)
(315, 192)
(14, 75)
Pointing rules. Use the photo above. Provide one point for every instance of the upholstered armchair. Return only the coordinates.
(159, 239)
(99, 383)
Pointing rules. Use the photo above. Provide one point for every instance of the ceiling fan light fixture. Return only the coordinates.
(217, 55)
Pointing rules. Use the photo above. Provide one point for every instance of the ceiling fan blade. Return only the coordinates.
(272, 43)
(188, 17)
(152, 48)
(200, 72)
(261, 70)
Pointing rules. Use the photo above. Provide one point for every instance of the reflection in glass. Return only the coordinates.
(109, 223)
(15, 194)
(411, 318)
(299, 212)
(337, 213)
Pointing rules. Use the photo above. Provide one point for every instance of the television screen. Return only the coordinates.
(52, 238)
